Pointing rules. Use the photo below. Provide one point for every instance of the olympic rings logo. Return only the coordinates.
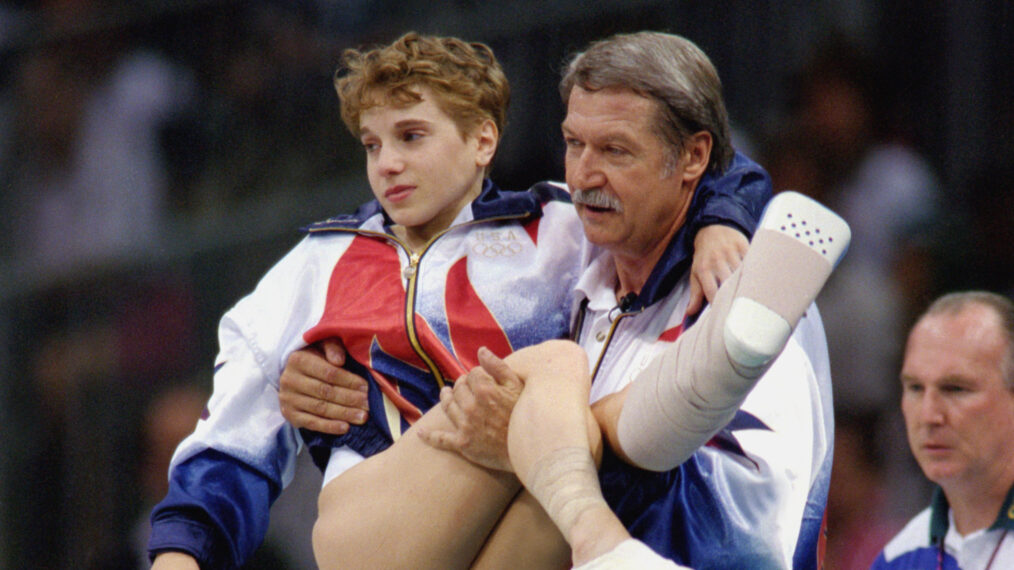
(497, 248)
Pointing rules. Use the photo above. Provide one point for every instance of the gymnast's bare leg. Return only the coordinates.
(416, 506)
(410, 506)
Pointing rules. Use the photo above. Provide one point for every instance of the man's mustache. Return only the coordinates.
(596, 198)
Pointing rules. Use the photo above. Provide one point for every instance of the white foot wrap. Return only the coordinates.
(797, 245)
(566, 483)
(693, 388)
(630, 555)
(753, 333)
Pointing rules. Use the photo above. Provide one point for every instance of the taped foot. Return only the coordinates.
(810, 223)
(796, 247)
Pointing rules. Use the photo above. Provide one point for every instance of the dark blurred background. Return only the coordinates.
(156, 157)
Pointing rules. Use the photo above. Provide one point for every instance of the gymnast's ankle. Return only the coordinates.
(595, 532)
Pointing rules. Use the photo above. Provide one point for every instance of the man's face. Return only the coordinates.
(958, 412)
(612, 149)
(420, 167)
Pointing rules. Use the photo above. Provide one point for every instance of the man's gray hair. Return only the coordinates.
(668, 69)
(953, 303)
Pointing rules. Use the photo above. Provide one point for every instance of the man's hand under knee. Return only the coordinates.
(316, 393)
(479, 406)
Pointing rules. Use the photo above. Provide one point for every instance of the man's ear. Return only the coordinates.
(696, 155)
(487, 138)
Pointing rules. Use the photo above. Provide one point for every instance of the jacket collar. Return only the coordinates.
(939, 509)
(492, 202)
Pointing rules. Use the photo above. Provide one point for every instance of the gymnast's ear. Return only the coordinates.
(487, 138)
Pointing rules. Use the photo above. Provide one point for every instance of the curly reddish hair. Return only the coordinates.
(468, 81)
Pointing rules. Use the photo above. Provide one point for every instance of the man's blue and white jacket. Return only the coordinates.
(930, 540)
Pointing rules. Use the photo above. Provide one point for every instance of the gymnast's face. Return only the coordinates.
(421, 167)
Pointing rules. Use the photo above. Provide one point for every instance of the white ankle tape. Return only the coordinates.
(753, 333)
(566, 483)
(793, 252)
(630, 554)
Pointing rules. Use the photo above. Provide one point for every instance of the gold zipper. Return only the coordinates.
(411, 273)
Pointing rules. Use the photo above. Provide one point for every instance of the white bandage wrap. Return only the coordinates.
(684, 395)
(753, 333)
(693, 388)
(630, 554)
(566, 483)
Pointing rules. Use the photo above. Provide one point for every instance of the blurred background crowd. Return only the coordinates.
(156, 157)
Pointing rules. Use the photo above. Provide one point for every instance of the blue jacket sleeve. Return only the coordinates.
(225, 475)
(216, 511)
(734, 198)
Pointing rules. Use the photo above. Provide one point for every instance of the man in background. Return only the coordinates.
(958, 401)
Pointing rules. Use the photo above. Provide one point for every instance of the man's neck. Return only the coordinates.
(634, 269)
(976, 507)
(632, 273)
(634, 266)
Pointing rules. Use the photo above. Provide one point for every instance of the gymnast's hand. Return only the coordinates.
(479, 407)
(718, 251)
(316, 393)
